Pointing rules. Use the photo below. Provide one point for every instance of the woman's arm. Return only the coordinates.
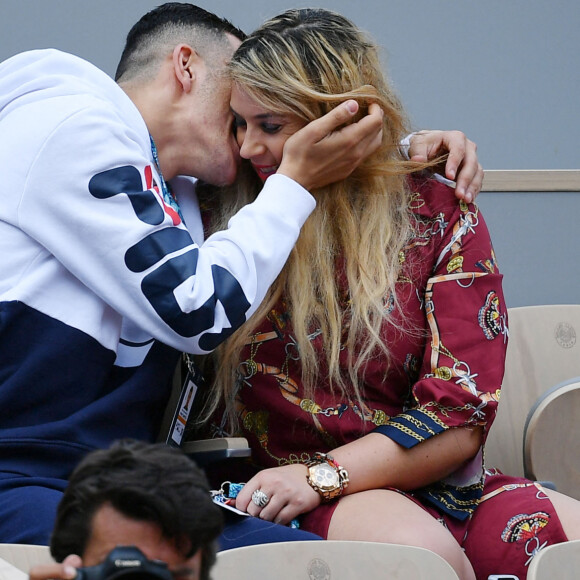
(375, 461)
(455, 394)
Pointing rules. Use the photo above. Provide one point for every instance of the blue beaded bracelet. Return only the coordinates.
(231, 490)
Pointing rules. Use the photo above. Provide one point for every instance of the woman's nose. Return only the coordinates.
(249, 146)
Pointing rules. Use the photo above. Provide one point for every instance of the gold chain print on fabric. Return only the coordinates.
(489, 317)
(256, 422)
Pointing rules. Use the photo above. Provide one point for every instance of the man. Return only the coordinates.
(136, 494)
(101, 282)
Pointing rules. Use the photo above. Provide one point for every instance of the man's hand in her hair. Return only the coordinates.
(328, 150)
(462, 165)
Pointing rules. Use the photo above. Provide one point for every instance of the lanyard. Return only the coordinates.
(165, 191)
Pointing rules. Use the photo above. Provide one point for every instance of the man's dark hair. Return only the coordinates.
(172, 22)
(145, 482)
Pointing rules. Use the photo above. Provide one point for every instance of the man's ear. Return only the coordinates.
(185, 61)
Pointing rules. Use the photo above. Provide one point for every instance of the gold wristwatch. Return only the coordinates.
(326, 476)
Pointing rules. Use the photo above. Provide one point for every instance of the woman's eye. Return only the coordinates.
(270, 127)
(239, 122)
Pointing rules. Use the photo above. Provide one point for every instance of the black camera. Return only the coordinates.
(128, 563)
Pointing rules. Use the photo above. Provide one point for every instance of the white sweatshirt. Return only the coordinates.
(95, 268)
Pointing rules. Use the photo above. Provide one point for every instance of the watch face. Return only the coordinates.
(324, 476)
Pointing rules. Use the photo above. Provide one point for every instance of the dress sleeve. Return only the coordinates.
(463, 361)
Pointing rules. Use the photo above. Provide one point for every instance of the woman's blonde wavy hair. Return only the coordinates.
(304, 63)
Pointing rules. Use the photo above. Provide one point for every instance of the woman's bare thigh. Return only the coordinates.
(390, 517)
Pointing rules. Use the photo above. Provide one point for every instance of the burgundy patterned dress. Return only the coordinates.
(447, 341)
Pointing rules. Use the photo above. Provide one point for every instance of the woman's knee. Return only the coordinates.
(568, 511)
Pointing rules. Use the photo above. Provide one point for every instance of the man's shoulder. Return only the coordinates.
(53, 92)
(47, 62)
(44, 74)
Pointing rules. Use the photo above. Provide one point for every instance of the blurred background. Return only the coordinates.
(505, 72)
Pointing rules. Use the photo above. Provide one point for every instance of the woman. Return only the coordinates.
(368, 379)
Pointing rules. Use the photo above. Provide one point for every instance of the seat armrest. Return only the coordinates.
(206, 451)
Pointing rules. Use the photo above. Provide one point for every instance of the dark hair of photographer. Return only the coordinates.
(144, 482)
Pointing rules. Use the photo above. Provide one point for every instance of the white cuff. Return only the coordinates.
(405, 145)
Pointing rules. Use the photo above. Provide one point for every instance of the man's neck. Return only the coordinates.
(153, 106)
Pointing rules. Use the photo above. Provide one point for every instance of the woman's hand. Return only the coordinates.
(287, 489)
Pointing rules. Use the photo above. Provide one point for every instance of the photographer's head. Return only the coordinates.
(149, 496)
